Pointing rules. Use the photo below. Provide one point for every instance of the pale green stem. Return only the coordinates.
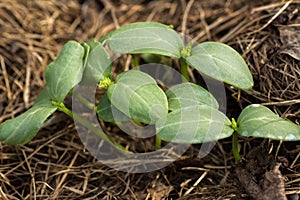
(235, 143)
(135, 61)
(184, 69)
(157, 142)
(85, 102)
(235, 147)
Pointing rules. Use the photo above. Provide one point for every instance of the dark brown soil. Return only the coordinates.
(56, 165)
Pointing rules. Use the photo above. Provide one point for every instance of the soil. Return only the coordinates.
(56, 165)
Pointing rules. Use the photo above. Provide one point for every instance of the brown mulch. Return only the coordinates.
(55, 165)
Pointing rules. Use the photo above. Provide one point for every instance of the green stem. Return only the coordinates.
(184, 69)
(87, 124)
(85, 102)
(157, 142)
(135, 61)
(235, 147)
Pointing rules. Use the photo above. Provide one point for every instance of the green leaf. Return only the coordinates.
(221, 62)
(189, 94)
(109, 113)
(195, 124)
(145, 37)
(43, 98)
(137, 95)
(98, 64)
(259, 121)
(23, 128)
(65, 71)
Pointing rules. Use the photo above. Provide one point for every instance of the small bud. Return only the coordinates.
(186, 52)
(171, 26)
(105, 83)
(234, 125)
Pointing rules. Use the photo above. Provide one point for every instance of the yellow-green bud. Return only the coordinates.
(234, 125)
(105, 83)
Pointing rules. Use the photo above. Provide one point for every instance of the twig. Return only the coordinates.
(275, 16)
(31, 174)
(26, 93)
(294, 162)
(64, 177)
(185, 16)
(8, 90)
(282, 103)
(196, 183)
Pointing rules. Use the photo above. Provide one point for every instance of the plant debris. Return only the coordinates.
(260, 182)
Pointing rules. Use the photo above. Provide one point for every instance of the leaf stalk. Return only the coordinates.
(61, 107)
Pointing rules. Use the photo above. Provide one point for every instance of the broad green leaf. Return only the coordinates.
(98, 64)
(137, 95)
(221, 62)
(259, 121)
(65, 71)
(145, 37)
(23, 128)
(195, 124)
(189, 94)
(109, 113)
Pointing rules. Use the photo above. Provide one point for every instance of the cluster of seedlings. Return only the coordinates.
(183, 113)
